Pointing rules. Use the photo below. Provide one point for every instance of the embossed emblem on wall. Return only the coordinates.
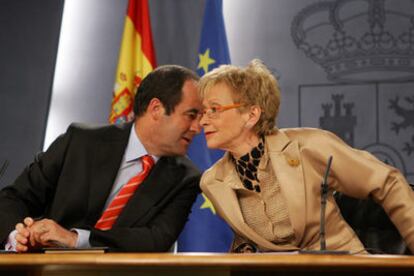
(358, 40)
(366, 48)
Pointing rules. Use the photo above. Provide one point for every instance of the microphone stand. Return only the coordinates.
(322, 239)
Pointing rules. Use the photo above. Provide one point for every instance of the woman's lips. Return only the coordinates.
(208, 133)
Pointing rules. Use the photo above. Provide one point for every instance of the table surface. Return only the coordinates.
(206, 259)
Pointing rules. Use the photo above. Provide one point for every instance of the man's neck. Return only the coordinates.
(145, 134)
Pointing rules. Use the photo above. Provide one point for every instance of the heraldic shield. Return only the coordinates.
(379, 118)
(366, 49)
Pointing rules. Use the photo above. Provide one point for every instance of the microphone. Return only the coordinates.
(322, 239)
(3, 168)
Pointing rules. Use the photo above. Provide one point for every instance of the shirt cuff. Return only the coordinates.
(83, 238)
(11, 241)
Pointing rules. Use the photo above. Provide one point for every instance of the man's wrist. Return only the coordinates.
(73, 239)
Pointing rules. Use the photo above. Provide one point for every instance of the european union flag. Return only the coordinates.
(205, 231)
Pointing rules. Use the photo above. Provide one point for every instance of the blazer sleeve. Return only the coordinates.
(359, 174)
(33, 189)
(242, 245)
(160, 232)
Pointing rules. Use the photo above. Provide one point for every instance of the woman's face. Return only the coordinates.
(223, 123)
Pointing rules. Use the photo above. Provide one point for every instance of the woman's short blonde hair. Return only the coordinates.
(251, 85)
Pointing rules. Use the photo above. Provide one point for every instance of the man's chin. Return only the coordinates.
(180, 152)
(177, 149)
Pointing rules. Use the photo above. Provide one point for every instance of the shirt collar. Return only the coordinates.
(135, 149)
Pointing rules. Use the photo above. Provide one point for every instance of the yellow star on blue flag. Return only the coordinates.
(205, 61)
(207, 204)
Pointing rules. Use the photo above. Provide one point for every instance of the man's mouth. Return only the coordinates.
(188, 140)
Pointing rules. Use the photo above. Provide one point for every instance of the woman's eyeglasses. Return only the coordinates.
(214, 111)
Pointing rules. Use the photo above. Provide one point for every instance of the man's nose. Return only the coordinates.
(195, 126)
(203, 120)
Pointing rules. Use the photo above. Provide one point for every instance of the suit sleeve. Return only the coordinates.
(33, 189)
(160, 233)
(359, 174)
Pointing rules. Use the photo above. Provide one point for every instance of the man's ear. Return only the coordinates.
(155, 108)
(253, 116)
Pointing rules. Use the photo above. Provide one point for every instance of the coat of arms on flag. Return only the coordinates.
(136, 60)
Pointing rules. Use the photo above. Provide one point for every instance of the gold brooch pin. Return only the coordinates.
(293, 162)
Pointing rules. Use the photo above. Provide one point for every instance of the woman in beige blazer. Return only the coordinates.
(267, 185)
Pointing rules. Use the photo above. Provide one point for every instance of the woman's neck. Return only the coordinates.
(245, 147)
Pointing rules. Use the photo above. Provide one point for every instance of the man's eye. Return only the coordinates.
(214, 109)
(191, 116)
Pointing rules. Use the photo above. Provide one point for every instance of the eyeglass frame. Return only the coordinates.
(220, 108)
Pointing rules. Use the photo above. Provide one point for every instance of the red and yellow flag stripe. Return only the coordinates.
(136, 60)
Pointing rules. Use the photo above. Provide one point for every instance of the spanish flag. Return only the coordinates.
(136, 60)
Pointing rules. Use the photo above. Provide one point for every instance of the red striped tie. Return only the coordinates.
(112, 212)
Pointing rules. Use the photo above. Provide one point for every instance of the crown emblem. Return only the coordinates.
(359, 40)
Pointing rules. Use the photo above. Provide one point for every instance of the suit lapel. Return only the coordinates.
(108, 155)
(285, 157)
(159, 182)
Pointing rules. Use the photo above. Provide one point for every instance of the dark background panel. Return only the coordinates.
(29, 34)
(176, 29)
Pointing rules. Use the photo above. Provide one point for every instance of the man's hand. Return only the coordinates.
(23, 235)
(43, 233)
(48, 233)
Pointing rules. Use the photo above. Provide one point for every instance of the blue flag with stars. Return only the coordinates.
(205, 231)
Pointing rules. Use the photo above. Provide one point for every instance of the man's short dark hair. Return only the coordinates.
(164, 83)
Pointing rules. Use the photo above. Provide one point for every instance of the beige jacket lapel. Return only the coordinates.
(225, 202)
(285, 157)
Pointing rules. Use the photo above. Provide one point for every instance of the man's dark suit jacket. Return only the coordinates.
(71, 182)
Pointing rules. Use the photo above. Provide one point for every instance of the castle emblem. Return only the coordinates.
(339, 122)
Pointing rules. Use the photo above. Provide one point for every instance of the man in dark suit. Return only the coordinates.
(68, 188)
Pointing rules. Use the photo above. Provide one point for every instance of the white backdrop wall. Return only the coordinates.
(86, 61)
